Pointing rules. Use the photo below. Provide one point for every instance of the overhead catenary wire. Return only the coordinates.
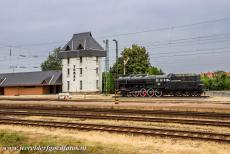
(130, 33)
(201, 39)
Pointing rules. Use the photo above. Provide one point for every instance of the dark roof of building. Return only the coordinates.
(82, 44)
(82, 41)
(39, 78)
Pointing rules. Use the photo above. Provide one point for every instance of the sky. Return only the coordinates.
(181, 36)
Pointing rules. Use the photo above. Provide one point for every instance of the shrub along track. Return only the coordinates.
(123, 129)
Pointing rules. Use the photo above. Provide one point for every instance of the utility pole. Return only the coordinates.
(11, 66)
(116, 42)
(125, 62)
(107, 55)
(106, 66)
(10, 51)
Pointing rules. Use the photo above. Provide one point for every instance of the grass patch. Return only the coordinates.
(8, 138)
(16, 139)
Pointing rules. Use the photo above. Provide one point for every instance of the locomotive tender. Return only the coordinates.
(160, 85)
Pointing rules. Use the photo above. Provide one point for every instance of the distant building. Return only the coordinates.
(208, 74)
(31, 83)
(81, 64)
(212, 74)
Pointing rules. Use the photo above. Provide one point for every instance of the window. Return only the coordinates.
(80, 84)
(68, 60)
(97, 84)
(81, 72)
(67, 85)
(97, 71)
(68, 72)
(97, 60)
(74, 68)
(67, 48)
(80, 59)
(80, 47)
(74, 76)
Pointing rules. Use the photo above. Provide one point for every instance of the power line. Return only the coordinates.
(167, 28)
(199, 38)
(188, 43)
(156, 43)
(198, 50)
(174, 44)
(131, 33)
(191, 54)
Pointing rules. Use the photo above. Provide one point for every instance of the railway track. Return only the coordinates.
(123, 129)
(209, 115)
(118, 117)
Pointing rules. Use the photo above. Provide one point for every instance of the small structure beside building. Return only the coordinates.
(31, 83)
(81, 64)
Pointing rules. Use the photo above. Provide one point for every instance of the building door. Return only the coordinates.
(1, 91)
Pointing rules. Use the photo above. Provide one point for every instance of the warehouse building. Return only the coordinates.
(31, 83)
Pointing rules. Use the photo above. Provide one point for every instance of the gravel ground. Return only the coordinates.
(216, 104)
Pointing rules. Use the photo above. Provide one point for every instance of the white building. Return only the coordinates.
(81, 64)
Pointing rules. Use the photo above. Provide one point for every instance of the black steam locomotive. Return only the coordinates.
(160, 85)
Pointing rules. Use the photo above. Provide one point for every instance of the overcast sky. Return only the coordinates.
(34, 27)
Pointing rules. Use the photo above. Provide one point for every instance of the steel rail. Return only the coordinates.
(210, 136)
(119, 117)
(120, 111)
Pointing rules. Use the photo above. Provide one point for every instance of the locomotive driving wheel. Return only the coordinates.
(129, 94)
(186, 93)
(178, 93)
(135, 93)
(143, 92)
(150, 92)
(158, 93)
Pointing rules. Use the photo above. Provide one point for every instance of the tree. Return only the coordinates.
(53, 62)
(138, 62)
(108, 83)
(227, 82)
(155, 71)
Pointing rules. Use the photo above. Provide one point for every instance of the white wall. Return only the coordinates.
(88, 77)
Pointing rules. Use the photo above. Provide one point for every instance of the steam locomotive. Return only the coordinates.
(160, 85)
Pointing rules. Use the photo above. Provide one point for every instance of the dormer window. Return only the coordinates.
(67, 48)
(80, 47)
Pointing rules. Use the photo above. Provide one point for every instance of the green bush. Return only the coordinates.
(10, 138)
(219, 82)
(108, 83)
